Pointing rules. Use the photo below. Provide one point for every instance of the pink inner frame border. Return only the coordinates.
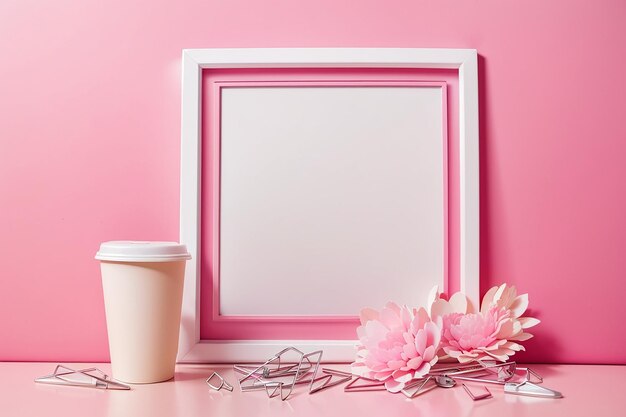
(215, 140)
(218, 327)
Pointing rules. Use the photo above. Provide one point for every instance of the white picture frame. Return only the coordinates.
(194, 350)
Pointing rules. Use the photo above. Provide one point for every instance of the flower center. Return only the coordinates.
(474, 331)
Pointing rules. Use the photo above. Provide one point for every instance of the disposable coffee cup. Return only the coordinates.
(143, 288)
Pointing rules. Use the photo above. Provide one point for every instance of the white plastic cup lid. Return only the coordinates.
(142, 251)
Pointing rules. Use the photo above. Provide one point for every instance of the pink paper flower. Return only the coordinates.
(397, 345)
(492, 333)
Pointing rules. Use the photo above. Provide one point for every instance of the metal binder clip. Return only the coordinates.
(222, 384)
(530, 389)
(90, 377)
(444, 381)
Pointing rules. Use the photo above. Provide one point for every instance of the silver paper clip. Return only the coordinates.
(419, 387)
(277, 378)
(327, 382)
(90, 378)
(505, 373)
(366, 385)
(331, 378)
(477, 397)
(222, 384)
(428, 383)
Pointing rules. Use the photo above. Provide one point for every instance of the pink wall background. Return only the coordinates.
(89, 148)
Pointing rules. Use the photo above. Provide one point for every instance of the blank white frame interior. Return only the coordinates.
(353, 204)
(191, 348)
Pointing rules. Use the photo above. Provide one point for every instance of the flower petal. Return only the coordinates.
(521, 337)
(440, 308)
(505, 330)
(375, 332)
(395, 364)
(488, 299)
(420, 341)
(393, 307)
(390, 318)
(415, 363)
(468, 357)
(504, 296)
(433, 295)
(519, 305)
(361, 332)
(513, 346)
(429, 353)
(394, 386)
(381, 376)
(423, 370)
(528, 322)
(434, 334)
(458, 302)
(406, 317)
(500, 357)
(368, 314)
(402, 376)
(499, 293)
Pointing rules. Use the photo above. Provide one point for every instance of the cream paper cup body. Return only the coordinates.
(142, 298)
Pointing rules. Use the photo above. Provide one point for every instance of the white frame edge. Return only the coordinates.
(193, 350)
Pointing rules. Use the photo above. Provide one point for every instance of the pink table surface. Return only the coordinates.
(588, 389)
